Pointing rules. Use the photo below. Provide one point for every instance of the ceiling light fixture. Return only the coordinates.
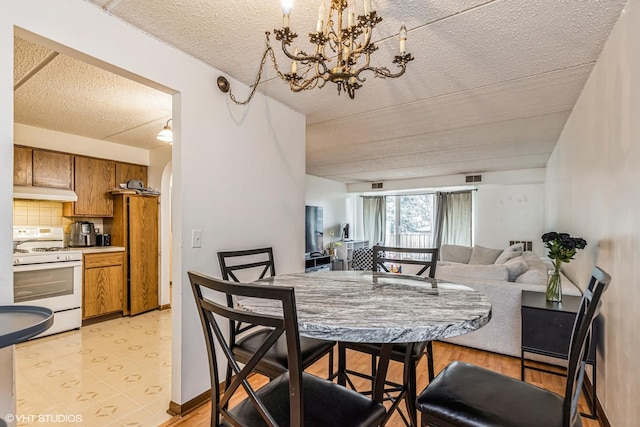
(166, 134)
(342, 49)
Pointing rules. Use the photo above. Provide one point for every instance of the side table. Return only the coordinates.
(546, 330)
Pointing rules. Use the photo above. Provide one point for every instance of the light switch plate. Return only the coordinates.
(196, 238)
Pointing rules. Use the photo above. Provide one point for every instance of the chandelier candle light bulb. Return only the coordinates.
(403, 38)
(294, 63)
(321, 13)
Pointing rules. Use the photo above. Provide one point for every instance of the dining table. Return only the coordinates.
(383, 308)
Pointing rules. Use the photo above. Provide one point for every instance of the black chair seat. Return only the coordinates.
(274, 362)
(325, 404)
(468, 395)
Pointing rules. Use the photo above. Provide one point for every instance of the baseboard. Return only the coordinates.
(98, 319)
(165, 307)
(175, 409)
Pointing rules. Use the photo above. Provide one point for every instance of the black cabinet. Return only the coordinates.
(320, 263)
(546, 330)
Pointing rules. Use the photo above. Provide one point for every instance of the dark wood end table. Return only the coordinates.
(546, 330)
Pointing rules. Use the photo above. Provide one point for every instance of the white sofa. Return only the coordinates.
(503, 332)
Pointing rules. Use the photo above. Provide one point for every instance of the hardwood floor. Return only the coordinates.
(443, 355)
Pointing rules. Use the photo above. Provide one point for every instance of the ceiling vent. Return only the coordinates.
(376, 185)
(473, 178)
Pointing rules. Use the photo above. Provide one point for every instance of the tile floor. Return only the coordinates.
(111, 373)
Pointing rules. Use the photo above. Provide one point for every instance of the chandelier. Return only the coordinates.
(342, 49)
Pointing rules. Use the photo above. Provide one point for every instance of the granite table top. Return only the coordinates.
(362, 306)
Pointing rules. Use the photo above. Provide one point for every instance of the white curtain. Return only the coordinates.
(453, 218)
(374, 209)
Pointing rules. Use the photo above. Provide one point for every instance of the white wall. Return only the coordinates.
(332, 197)
(509, 212)
(238, 173)
(592, 192)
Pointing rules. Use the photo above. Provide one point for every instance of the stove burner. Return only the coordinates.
(49, 249)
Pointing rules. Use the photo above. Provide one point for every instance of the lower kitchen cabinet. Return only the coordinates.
(103, 284)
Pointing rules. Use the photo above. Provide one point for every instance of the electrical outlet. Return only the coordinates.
(196, 238)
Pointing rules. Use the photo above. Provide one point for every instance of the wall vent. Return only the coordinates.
(473, 178)
(528, 245)
(376, 185)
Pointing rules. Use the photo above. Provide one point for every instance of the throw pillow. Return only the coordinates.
(510, 253)
(484, 256)
(532, 277)
(534, 262)
(455, 253)
(515, 267)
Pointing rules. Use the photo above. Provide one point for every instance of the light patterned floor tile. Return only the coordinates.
(112, 373)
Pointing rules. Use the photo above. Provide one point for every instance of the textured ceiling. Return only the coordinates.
(491, 86)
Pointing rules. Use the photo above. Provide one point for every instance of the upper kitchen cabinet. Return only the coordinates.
(51, 169)
(93, 181)
(22, 165)
(125, 172)
(42, 168)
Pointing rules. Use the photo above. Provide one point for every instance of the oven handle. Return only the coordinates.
(46, 266)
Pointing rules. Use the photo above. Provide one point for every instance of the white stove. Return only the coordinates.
(48, 274)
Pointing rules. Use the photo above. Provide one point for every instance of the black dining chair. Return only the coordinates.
(465, 395)
(424, 262)
(244, 339)
(293, 398)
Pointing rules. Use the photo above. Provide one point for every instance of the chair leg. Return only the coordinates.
(330, 368)
(342, 364)
(429, 350)
(373, 369)
(410, 398)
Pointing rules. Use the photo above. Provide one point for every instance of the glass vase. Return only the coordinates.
(554, 285)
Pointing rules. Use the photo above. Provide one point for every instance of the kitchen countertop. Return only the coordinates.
(101, 249)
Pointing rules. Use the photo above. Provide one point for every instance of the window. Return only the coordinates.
(410, 221)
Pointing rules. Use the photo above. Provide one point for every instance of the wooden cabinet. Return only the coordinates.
(128, 171)
(52, 169)
(135, 226)
(103, 284)
(22, 165)
(93, 181)
(42, 168)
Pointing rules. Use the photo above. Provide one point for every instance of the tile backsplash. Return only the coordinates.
(41, 212)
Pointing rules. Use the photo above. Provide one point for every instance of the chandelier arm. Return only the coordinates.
(381, 72)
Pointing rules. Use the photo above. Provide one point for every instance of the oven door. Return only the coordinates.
(55, 285)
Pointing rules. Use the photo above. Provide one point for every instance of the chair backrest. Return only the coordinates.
(579, 345)
(425, 257)
(213, 332)
(251, 259)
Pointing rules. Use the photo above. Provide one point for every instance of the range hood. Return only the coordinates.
(42, 193)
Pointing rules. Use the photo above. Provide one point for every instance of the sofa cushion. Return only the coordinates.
(511, 252)
(516, 267)
(455, 253)
(480, 272)
(484, 256)
(532, 277)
